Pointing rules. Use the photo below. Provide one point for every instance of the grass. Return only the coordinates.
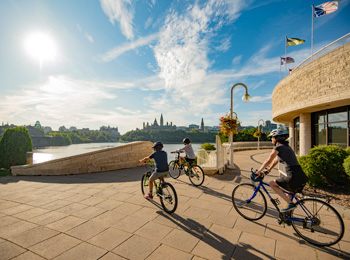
(5, 172)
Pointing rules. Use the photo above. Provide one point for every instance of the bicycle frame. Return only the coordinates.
(307, 211)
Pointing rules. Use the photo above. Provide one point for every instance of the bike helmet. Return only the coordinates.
(255, 178)
(157, 144)
(186, 140)
(278, 132)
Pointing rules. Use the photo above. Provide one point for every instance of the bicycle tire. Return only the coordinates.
(246, 206)
(168, 198)
(328, 227)
(174, 170)
(196, 175)
(144, 183)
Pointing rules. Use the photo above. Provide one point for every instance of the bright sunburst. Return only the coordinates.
(41, 47)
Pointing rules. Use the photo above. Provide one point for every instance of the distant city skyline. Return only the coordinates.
(95, 63)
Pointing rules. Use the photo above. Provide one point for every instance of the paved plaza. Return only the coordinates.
(104, 216)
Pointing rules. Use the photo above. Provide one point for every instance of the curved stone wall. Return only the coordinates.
(321, 84)
(109, 159)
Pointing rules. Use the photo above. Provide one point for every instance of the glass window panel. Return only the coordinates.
(337, 134)
(320, 135)
(338, 114)
(320, 117)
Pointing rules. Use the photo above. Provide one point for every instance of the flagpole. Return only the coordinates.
(285, 65)
(280, 67)
(312, 31)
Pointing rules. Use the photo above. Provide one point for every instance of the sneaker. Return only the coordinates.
(290, 206)
(149, 196)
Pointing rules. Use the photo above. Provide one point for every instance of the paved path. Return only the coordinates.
(104, 216)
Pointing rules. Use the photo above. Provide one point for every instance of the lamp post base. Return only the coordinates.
(231, 167)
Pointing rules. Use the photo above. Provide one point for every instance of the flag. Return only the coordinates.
(325, 8)
(287, 60)
(294, 41)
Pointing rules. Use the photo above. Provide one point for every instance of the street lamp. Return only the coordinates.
(263, 124)
(246, 98)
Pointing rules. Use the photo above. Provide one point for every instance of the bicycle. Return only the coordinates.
(165, 191)
(194, 172)
(314, 220)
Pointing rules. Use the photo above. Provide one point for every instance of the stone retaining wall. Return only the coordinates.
(109, 159)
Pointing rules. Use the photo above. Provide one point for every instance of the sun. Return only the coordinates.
(41, 47)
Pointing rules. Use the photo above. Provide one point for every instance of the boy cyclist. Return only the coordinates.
(161, 162)
(188, 150)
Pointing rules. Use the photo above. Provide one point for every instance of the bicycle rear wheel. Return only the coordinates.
(144, 183)
(174, 169)
(168, 198)
(249, 202)
(196, 175)
(317, 222)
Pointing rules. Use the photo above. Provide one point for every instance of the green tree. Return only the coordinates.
(14, 145)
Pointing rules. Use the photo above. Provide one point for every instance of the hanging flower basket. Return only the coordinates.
(257, 134)
(229, 125)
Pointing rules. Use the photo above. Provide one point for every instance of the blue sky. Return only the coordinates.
(124, 62)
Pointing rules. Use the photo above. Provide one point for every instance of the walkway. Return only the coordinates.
(104, 216)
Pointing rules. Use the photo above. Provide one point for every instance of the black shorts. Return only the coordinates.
(190, 161)
(295, 180)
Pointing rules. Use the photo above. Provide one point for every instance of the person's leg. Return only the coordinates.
(276, 188)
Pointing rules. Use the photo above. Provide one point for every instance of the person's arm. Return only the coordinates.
(271, 160)
(144, 159)
(179, 151)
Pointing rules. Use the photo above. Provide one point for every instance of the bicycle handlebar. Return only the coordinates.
(262, 174)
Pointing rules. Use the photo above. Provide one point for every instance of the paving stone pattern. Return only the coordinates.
(104, 216)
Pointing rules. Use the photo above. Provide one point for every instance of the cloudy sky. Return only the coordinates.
(88, 63)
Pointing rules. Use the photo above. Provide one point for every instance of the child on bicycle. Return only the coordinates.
(188, 150)
(161, 165)
(283, 153)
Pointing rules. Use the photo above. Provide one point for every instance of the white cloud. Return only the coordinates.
(89, 37)
(262, 99)
(128, 111)
(122, 12)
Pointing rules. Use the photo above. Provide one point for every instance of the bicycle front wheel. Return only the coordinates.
(168, 198)
(317, 222)
(145, 183)
(249, 202)
(196, 175)
(174, 170)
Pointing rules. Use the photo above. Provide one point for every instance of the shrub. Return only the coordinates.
(347, 150)
(208, 146)
(346, 165)
(14, 145)
(324, 165)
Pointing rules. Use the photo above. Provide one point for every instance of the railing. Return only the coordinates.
(341, 41)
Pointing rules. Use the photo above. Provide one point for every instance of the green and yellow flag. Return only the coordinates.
(294, 41)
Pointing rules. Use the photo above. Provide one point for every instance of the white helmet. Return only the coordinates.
(278, 132)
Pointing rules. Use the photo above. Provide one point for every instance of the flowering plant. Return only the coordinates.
(257, 133)
(229, 125)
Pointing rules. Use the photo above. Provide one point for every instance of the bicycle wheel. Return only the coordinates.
(196, 175)
(249, 202)
(174, 170)
(168, 197)
(317, 222)
(144, 183)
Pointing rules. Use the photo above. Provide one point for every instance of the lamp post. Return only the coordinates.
(263, 124)
(246, 98)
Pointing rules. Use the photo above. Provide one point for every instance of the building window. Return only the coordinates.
(331, 127)
(296, 135)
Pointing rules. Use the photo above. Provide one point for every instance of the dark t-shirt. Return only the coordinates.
(286, 156)
(161, 159)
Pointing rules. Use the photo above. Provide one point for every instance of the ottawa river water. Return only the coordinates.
(55, 152)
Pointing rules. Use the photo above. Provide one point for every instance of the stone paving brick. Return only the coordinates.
(89, 212)
(7, 220)
(87, 230)
(28, 256)
(181, 240)
(111, 256)
(127, 208)
(153, 231)
(257, 228)
(108, 204)
(169, 253)
(225, 234)
(222, 219)
(121, 196)
(33, 236)
(294, 252)
(109, 217)
(77, 197)
(83, 251)
(72, 208)
(15, 229)
(130, 224)
(285, 234)
(92, 201)
(16, 209)
(146, 214)
(47, 218)
(66, 224)
(195, 212)
(110, 238)
(214, 248)
(56, 204)
(9, 250)
(31, 213)
(54, 246)
(136, 248)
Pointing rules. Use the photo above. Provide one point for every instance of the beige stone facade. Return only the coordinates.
(322, 84)
(109, 159)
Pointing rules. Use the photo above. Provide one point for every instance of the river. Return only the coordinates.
(56, 152)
